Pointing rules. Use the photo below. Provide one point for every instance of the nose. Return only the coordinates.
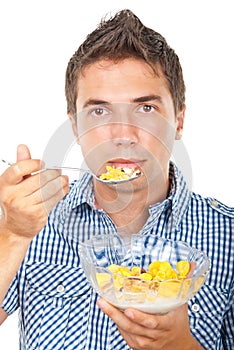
(124, 135)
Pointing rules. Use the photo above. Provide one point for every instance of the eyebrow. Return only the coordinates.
(147, 98)
(93, 101)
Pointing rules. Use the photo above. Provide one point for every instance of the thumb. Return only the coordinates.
(23, 152)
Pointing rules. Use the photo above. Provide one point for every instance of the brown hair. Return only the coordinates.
(124, 36)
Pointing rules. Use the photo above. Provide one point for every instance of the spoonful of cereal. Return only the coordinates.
(112, 176)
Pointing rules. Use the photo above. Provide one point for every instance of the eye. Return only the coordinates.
(98, 112)
(146, 108)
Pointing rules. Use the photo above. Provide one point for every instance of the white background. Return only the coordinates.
(39, 37)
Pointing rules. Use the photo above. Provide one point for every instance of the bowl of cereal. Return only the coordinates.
(145, 272)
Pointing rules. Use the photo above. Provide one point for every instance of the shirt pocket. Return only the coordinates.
(49, 294)
(206, 312)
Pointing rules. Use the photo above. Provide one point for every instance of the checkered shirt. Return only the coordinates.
(57, 306)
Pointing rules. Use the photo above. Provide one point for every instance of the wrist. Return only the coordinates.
(12, 252)
(12, 239)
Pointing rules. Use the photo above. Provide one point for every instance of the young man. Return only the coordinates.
(126, 102)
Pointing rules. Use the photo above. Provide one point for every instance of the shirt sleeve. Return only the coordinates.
(11, 300)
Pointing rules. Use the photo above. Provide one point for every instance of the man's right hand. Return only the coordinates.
(28, 194)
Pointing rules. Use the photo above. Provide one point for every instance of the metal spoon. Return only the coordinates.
(110, 182)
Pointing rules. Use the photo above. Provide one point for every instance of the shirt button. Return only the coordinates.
(195, 307)
(60, 288)
(214, 204)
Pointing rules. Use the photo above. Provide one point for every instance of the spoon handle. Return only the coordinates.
(6, 162)
(55, 167)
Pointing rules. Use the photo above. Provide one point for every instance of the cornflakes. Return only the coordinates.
(160, 278)
(119, 173)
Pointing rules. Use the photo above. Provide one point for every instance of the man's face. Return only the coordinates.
(125, 117)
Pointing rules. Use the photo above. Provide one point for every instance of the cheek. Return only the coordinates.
(158, 131)
(91, 138)
(87, 143)
(95, 146)
(157, 139)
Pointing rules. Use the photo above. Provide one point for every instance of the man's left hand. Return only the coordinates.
(143, 331)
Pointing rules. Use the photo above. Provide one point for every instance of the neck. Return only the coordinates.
(128, 204)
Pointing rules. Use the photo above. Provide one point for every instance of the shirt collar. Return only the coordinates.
(81, 192)
(178, 198)
(179, 195)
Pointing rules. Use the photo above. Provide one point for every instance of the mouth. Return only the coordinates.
(122, 169)
(126, 163)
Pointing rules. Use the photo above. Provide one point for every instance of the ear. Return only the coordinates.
(180, 123)
(74, 126)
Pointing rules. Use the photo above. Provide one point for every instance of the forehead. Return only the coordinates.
(126, 64)
(125, 71)
(120, 81)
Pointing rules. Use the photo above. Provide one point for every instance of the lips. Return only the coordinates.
(126, 163)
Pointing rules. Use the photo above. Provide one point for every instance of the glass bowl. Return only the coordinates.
(109, 261)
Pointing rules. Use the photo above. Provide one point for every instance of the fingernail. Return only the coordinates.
(129, 314)
(101, 303)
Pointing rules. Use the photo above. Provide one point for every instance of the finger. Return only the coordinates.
(35, 203)
(27, 218)
(150, 321)
(51, 189)
(31, 190)
(163, 322)
(23, 153)
(46, 176)
(160, 322)
(17, 172)
(115, 314)
(53, 200)
(193, 265)
(136, 336)
(122, 321)
(35, 182)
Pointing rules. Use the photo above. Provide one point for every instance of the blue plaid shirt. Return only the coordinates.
(57, 306)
